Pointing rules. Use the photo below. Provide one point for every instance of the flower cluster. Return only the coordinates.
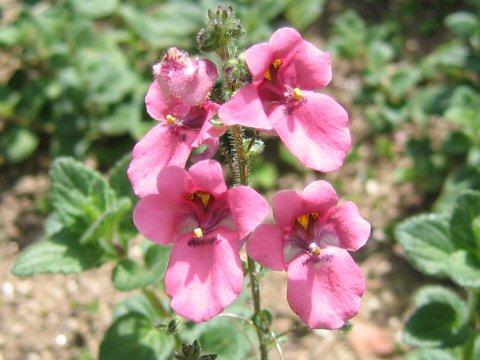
(207, 223)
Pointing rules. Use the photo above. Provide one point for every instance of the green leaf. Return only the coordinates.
(129, 275)
(462, 23)
(225, 341)
(137, 304)
(106, 223)
(466, 210)
(79, 194)
(134, 336)
(59, 254)
(440, 319)
(118, 178)
(464, 268)
(301, 13)
(427, 243)
(17, 144)
(95, 8)
(430, 354)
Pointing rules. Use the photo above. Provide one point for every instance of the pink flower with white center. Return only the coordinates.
(311, 240)
(177, 98)
(285, 71)
(206, 223)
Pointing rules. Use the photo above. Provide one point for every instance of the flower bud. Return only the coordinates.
(183, 78)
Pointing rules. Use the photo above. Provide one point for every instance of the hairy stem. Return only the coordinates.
(254, 285)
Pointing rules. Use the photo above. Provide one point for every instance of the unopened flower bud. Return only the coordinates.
(184, 78)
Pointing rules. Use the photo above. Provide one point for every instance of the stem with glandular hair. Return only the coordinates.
(242, 160)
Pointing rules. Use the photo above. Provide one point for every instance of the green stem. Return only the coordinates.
(468, 348)
(156, 303)
(254, 285)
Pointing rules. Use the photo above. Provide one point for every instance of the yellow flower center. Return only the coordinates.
(171, 120)
(315, 249)
(305, 219)
(275, 64)
(202, 195)
(297, 94)
(198, 233)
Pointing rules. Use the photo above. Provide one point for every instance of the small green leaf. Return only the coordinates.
(430, 354)
(118, 178)
(466, 210)
(134, 336)
(59, 254)
(79, 194)
(464, 268)
(129, 275)
(17, 144)
(301, 13)
(95, 8)
(226, 341)
(440, 319)
(427, 243)
(462, 23)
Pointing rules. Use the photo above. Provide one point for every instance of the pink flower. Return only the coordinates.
(206, 224)
(177, 97)
(311, 240)
(285, 71)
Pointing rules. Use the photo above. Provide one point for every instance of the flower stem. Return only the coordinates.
(254, 285)
(468, 348)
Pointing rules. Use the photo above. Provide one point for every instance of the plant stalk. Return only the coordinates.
(254, 285)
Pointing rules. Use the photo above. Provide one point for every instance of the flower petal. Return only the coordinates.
(325, 294)
(245, 109)
(212, 146)
(265, 246)
(259, 57)
(248, 209)
(158, 106)
(173, 183)
(159, 148)
(315, 131)
(160, 220)
(353, 231)
(287, 205)
(208, 130)
(207, 175)
(285, 42)
(205, 278)
(309, 68)
(319, 197)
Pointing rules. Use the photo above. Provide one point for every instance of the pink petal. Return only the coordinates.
(353, 231)
(287, 205)
(160, 220)
(285, 42)
(319, 197)
(265, 246)
(212, 146)
(207, 175)
(245, 109)
(316, 131)
(309, 68)
(196, 88)
(248, 209)
(159, 148)
(173, 183)
(259, 57)
(208, 130)
(158, 107)
(204, 279)
(325, 295)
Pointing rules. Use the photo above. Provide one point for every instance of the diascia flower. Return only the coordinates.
(311, 240)
(178, 99)
(285, 71)
(206, 223)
